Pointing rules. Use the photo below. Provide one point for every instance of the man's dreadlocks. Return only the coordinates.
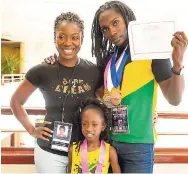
(101, 46)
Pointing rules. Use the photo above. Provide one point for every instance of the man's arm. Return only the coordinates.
(173, 87)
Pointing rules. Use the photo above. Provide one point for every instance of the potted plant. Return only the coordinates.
(10, 66)
(11, 63)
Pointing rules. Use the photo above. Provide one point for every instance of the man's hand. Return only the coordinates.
(51, 60)
(179, 44)
(155, 119)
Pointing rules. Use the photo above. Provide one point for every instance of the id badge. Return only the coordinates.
(120, 119)
(61, 136)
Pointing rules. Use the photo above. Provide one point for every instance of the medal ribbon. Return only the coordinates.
(106, 72)
(84, 159)
(116, 73)
(108, 83)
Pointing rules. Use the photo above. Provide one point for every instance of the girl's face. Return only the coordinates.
(113, 26)
(92, 124)
(68, 40)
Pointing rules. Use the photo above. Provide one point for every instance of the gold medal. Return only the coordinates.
(107, 100)
(115, 96)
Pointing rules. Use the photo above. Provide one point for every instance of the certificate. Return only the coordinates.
(150, 40)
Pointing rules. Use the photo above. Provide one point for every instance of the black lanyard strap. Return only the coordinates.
(64, 99)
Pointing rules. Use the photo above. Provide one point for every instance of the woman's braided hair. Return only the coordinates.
(69, 17)
(101, 46)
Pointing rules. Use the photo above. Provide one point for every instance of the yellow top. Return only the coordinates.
(92, 157)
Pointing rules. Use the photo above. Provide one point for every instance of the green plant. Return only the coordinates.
(11, 63)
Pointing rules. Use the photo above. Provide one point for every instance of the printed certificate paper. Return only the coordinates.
(150, 40)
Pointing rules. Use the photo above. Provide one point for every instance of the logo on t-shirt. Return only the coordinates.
(76, 86)
(92, 167)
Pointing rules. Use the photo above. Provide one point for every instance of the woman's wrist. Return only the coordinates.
(32, 131)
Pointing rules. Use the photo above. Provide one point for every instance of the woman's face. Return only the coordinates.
(68, 40)
(113, 26)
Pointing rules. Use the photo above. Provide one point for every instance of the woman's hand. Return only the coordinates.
(42, 131)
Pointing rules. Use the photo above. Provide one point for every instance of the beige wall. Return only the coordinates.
(32, 21)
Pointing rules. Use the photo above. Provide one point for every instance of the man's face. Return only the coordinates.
(113, 26)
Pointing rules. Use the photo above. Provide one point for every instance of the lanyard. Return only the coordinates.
(84, 159)
(64, 99)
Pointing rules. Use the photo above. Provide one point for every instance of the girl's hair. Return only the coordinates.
(104, 112)
(101, 46)
(69, 17)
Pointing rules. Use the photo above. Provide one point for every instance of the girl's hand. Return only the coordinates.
(51, 60)
(179, 44)
(42, 131)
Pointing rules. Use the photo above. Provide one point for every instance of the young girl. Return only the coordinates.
(90, 153)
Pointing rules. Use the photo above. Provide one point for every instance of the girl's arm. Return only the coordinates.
(114, 160)
(70, 159)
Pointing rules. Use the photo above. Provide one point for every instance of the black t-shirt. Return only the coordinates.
(85, 80)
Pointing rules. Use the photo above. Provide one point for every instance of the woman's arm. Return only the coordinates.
(18, 99)
(114, 160)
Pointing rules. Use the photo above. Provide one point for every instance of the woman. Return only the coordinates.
(63, 86)
(136, 84)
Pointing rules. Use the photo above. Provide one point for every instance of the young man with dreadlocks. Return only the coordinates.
(134, 84)
(63, 86)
